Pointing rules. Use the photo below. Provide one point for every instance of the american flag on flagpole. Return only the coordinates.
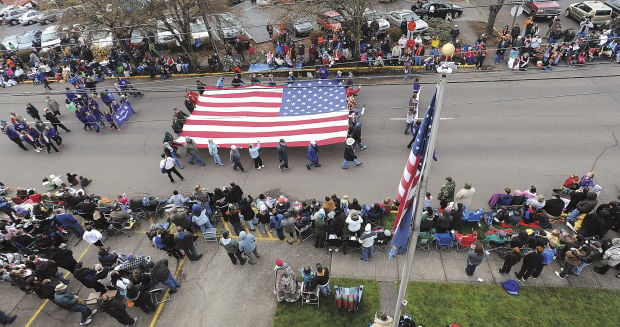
(298, 112)
(414, 168)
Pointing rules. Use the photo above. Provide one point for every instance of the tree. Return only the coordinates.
(494, 9)
(351, 10)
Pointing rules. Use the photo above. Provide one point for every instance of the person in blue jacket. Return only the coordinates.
(312, 154)
(14, 136)
(68, 221)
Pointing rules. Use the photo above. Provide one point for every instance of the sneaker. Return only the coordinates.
(345, 167)
(259, 167)
(557, 273)
(88, 321)
(262, 166)
(480, 280)
(92, 313)
(359, 164)
(522, 279)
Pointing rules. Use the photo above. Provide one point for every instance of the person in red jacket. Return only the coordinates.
(410, 28)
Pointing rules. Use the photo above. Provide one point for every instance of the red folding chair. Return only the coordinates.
(465, 241)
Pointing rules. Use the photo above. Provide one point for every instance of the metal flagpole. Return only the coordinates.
(404, 280)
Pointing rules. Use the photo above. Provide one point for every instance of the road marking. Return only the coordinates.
(36, 313)
(160, 307)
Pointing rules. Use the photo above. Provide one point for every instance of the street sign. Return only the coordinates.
(516, 11)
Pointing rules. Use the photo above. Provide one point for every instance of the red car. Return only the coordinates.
(330, 20)
(542, 8)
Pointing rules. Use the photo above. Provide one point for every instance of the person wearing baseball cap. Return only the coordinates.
(70, 301)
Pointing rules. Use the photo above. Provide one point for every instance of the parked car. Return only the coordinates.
(51, 37)
(372, 15)
(8, 8)
(330, 20)
(30, 17)
(542, 8)
(228, 28)
(138, 35)
(599, 11)
(97, 38)
(615, 7)
(396, 17)
(31, 38)
(15, 40)
(164, 34)
(199, 29)
(12, 16)
(436, 9)
(50, 16)
(298, 27)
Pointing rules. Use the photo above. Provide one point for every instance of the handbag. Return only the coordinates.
(163, 170)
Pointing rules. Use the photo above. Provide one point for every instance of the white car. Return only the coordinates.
(30, 17)
(227, 26)
(372, 15)
(396, 17)
(50, 38)
(98, 38)
(199, 29)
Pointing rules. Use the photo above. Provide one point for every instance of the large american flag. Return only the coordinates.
(298, 112)
(411, 176)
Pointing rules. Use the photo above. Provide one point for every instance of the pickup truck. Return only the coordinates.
(542, 8)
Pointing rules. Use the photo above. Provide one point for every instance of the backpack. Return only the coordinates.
(511, 287)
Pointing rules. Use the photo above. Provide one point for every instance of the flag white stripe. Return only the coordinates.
(241, 91)
(275, 110)
(269, 119)
(265, 99)
(248, 129)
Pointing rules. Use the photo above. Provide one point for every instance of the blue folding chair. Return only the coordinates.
(444, 241)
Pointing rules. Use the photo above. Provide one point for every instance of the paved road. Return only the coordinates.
(507, 132)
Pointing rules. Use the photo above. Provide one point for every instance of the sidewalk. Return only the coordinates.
(448, 266)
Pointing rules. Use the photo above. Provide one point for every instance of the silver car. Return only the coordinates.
(227, 26)
(299, 28)
(396, 17)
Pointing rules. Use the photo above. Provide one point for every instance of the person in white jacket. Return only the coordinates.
(354, 222)
(465, 195)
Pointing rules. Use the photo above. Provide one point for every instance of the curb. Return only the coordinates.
(346, 68)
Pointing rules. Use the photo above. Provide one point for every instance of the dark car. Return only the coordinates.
(436, 9)
(615, 7)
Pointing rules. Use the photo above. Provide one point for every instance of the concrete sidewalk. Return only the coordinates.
(449, 266)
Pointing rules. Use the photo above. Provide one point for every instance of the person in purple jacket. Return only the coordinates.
(93, 122)
(14, 136)
(53, 134)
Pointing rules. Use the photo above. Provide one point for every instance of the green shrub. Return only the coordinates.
(441, 28)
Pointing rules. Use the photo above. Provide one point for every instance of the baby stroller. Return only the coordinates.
(348, 298)
(333, 243)
(310, 293)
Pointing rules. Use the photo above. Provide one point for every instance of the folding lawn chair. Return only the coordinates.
(465, 241)
(425, 240)
(444, 241)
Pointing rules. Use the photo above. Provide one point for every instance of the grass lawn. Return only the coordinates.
(327, 314)
(437, 304)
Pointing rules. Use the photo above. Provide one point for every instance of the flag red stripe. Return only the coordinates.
(409, 187)
(242, 87)
(237, 104)
(236, 95)
(213, 134)
(273, 123)
(236, 113)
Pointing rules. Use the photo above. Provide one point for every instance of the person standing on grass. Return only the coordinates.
(475, 255)
(255, 155)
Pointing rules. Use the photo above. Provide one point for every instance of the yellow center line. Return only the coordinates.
(160, 307)
(36, 313)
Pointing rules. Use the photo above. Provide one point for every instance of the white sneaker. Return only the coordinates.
(259, 167)
(92, 313)
(88, 321)
(480, 280)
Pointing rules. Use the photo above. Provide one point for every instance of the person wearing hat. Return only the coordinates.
(116, 309)
(68, 300)
(465, 195)
(367, 240)
(282, 150)
(291, 78)
(232, 248)
(446, 193)
(312, 154)
(200, 218)
(255, 155)
(235, 158)
(349, 154)
(192, 151)
(247, 245)
(286, 287)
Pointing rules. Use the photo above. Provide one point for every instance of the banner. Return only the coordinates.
(123, 113)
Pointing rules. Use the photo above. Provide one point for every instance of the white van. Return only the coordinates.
(50, 38)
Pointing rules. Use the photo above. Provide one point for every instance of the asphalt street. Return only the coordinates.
(498, 129)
